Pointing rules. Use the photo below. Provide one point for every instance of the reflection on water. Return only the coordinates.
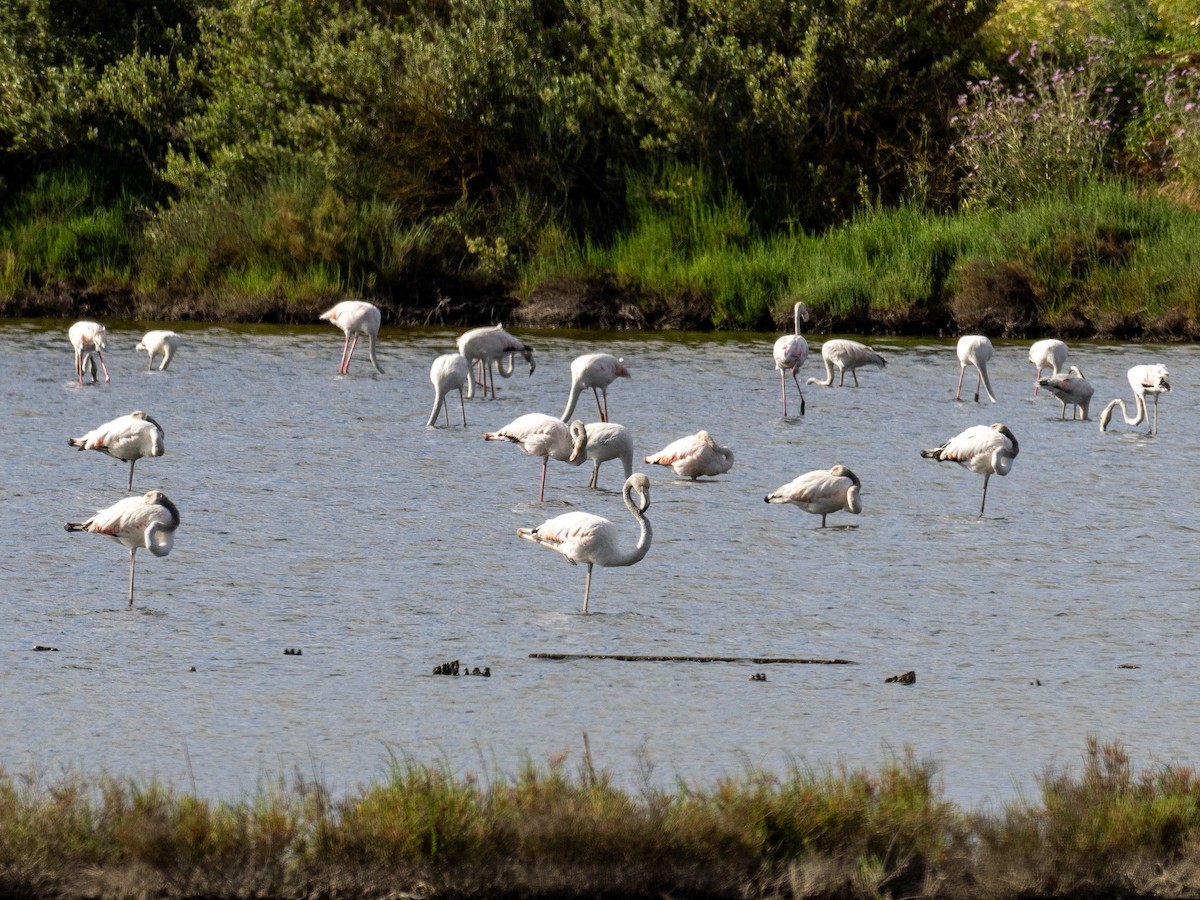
(319, 513)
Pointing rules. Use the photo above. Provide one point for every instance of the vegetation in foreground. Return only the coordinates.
(1105, 832)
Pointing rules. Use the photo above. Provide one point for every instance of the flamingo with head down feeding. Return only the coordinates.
(490, 346)
(88, 338)
(1050, 353)
(449, 372)
(585, 538)
(821, 492)
(155, 342)
(596, 371)
(1070, 387)
(355, 318)
(148, 521)
(844, 354)
(790, 352)
(1146, 379)
(974, 350)
(983, 449)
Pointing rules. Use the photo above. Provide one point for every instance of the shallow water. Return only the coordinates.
(319, 513)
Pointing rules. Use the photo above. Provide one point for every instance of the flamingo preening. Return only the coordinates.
(1145, 379)
(127, 438)
(537, 434)
(88, 338)
(449, 372)
(155, 342)
(1070, 387)
(790, 352)
(584, 538)
(488, 345)
(1050, 353)
(692, 456)
(974, 350)
(844, 354)
(983, 449)
(600, 442)
(821, 492)
(596, 371)
(355, 318)
(148, 521)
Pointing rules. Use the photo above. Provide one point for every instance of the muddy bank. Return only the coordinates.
(998, 311)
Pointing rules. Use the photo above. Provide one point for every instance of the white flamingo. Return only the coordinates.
(821, 492)
(88, 338)
(692, 456)
(584, 538)
(355, 318)
(127, 438)
(974, 350)
(1070, 387)
(1050, 353)
(488, 345)
(596, 371)
(600, 442)
(1145, 379)
(156, 342)
(538, 435)
(844, 354)
(983, 449)
(790, 352)
(148, 521)
(449, 372)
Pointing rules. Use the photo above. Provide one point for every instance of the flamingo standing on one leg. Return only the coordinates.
(599, 442)
(127, 438)
(1145, 379)
(821, 492)
(974, 350)
(844, 354)
(88, 338)
(983, 449)
(584, 538)
(1048, 354)
(790, 352)
(489, 344)
(156, 342)
(538, 435)
(1070, 387)
(449, 372)
(355, 317)
(596, 371)
(148, 521)
(692, 456)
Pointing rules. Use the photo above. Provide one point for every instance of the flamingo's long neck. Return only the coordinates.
(645, 536)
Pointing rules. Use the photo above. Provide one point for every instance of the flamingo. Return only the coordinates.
(984, 449)
(488, 344)
(155, 342)
(595, 371)
(975, 350)
(148, 521)
(538, 435)
(599, 442)
(449, 371)
(845, 355)
(583, 537)
(790, 352)
(692, 456)
(1048, 354)
(1145, 379)
(88, 338)
(355, 317)
(1070, 387)
(127, 438)
(821, 492)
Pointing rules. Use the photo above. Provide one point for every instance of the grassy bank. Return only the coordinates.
(1104, 831)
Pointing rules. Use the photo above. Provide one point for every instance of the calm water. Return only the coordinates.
(320, 513)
